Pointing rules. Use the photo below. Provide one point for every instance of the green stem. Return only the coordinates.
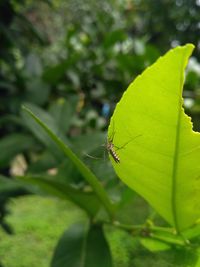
(154, 232)
(152, 228)
(168, 241)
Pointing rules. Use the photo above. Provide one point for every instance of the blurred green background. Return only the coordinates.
(70, 61)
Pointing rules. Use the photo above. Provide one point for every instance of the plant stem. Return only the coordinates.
(131, 227)
(166, 235)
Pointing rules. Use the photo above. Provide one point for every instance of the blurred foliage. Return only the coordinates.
(70, 61)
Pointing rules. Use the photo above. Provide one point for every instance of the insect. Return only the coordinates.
(111, 148)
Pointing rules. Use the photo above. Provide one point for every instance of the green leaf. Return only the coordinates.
(10, 188)
(39, 133)
(168, 238)
(192, 232)
(80, 247)
(154, 245)
(97, 249)
(8, 184)
(159, 153)
(63, 112)
(46, 117)
(81, 167)
(86, 201)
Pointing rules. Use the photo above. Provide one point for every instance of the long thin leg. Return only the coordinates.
(89, 156)
(123, 146)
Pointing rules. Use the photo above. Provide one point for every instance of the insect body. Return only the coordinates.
(111, 150)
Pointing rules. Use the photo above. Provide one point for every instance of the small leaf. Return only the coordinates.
(159, 153)
(80, 247)
(154, 245)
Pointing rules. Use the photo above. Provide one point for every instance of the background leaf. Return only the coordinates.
(40, 134)
(153, 137)
(63, 111)
(87, 201)
(154, 245)
(80, 247)
(13, 144)
(81, 167)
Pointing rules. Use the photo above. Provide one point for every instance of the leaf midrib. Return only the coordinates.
(176, 158)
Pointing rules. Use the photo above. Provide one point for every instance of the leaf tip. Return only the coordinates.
(188, 48)
(26, 109)
(23, 107)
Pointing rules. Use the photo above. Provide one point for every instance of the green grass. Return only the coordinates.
(38, 223)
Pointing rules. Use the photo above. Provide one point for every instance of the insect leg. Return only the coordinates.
(89, 156)
(110, 139)
(124, 145)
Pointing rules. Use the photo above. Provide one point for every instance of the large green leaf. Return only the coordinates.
(82, 247)
(153, 137)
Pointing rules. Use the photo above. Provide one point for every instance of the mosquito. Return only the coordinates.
(112, 149)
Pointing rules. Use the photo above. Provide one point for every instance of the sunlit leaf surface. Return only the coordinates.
(153, 137)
